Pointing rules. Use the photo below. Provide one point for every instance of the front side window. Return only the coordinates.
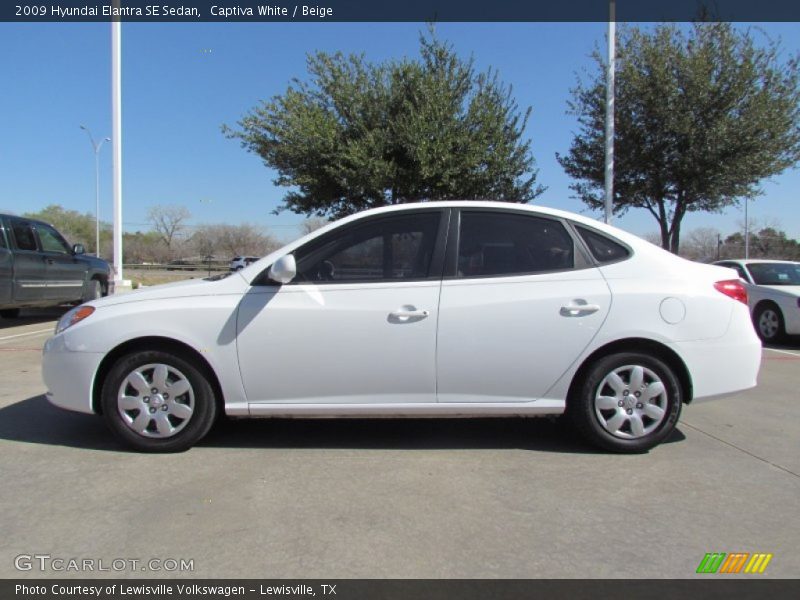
(388, 249)
(51, 240)
(497, 244)
(23, 235)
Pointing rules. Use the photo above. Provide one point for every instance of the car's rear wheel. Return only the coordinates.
(627, 402)
(768, 320)
(158, 402)
(9, 313)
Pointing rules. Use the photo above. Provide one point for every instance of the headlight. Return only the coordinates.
(76, 315)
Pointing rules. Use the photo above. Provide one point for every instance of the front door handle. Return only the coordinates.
(578, 308)
(404, 313)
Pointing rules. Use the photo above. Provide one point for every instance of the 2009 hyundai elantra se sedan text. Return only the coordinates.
(436, 309)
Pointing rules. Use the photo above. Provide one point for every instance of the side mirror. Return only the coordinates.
(283, 270)
(78, 249)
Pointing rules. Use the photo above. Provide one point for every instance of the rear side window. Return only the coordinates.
(23, 235)
(604, 249)
(498, 244)
(2, 236)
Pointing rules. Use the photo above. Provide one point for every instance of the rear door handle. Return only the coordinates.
(409, 312)
(578, 308)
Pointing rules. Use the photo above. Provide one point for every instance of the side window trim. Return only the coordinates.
(13, 235)
(576, 227)
(56, 234)
(437, 259)
(581, 256)
(5, 243)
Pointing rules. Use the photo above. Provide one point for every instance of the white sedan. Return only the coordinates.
(440, 309)
(773, 289)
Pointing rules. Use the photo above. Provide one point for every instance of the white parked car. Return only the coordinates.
(439, 309)
(773, 291)
(240, 262)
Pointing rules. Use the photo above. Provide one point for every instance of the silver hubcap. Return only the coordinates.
(631, 402)
(156, 401)
(768, 323)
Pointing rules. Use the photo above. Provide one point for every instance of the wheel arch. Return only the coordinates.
(766, 302)
(103, 279)
(647, 346)
(155, 343)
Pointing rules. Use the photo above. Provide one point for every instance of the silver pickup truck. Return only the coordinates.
(39, 268)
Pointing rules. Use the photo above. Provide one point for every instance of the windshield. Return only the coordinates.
(775, 273)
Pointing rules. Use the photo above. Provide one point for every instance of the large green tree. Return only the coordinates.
(702, 116)
(358, 134)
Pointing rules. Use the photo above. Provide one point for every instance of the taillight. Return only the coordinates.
(733, 288)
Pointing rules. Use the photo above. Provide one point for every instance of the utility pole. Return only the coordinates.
(116, 142)
(609, 170)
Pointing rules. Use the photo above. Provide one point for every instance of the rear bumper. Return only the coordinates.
(725, 365)
(69, 376)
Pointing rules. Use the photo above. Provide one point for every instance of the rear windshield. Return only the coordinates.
(775, 273)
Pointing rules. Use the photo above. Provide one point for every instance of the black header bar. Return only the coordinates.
(398, 10)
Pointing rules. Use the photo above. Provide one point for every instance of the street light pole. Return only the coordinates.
(96, 147)
(746, 231)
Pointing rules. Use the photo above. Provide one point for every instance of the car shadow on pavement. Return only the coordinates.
(31, 316)
(790, 342)
(36, 421)
(537, 434)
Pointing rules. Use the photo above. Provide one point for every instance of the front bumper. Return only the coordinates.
(68, 375)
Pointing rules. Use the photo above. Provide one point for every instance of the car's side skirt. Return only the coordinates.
(448, 410)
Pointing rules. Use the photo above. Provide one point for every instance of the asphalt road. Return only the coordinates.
(508, 498)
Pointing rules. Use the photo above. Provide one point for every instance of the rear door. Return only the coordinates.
(65, 274)
(519, 303)
(30, 277)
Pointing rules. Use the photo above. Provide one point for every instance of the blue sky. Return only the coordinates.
(181, 82)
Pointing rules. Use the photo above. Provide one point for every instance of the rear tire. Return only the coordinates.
(769, 324)
(9, 313)
(627, 402)
(158, 402)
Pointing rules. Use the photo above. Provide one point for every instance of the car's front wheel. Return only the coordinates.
(627, 402)
(94, 290)
(768, 320)
(158, 402)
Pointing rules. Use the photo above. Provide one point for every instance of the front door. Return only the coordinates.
(66, 274)
(358, 323)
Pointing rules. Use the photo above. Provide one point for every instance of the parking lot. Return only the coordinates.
(504, 498)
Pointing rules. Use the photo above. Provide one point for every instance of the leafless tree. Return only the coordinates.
(168, 221)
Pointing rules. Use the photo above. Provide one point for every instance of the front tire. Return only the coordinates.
(158, 402)
(94, 290)
(627, 402)
(768, 320)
